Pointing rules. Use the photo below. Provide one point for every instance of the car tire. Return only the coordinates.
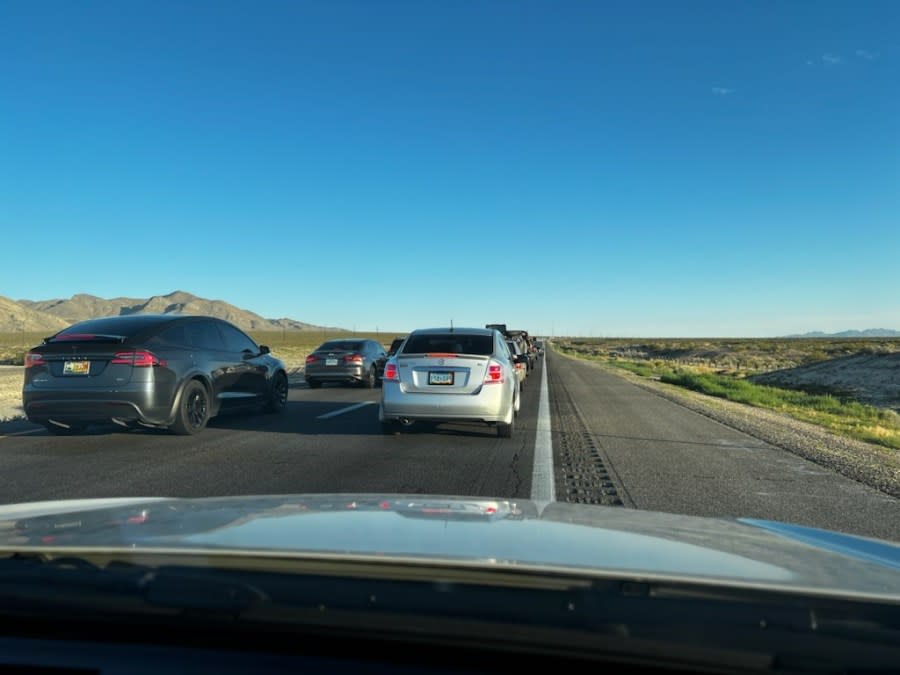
(505, 430)
(278, 398)
(368, 382)
(71, 430)
(193, 410)
(313, 384)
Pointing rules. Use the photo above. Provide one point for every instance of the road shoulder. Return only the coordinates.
(866, 463)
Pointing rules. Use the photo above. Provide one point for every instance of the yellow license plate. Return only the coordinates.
(76, 367)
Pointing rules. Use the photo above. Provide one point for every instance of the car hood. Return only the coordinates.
(520, 534)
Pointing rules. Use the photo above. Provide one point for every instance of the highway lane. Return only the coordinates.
(612, 443)
(328, 440)
(664, 457)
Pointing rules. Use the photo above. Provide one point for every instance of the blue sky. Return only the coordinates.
(582, 168)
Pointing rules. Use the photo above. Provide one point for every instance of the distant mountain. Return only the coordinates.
(59, 313)
(14, 318)
(81, 306)
(868, 333)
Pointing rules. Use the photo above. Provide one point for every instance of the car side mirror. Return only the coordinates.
(264, 349)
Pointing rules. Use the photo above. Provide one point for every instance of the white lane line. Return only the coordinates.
(22, 433)
(542, 484)
(335, 413)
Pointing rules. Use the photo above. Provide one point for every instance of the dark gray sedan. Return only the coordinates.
(173, 372)
(348, 360)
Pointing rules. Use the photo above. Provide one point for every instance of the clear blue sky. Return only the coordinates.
(603, 168)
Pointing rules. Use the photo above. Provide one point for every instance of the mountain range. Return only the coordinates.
(868, 333)
(53, 315)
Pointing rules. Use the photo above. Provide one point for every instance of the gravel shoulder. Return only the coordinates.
(866, 463)
(11, 392)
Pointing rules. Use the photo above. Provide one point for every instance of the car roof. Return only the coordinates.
(454, 329)
(128, 325)
(145, 320)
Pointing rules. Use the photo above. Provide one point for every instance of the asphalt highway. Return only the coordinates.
(597, 439)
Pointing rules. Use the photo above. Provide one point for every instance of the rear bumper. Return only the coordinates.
(490, 404)
(334, 373)
(140, 404)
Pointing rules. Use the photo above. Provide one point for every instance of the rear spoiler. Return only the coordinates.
(85, 337)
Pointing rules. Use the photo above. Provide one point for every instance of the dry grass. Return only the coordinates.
(10, 392)
(732, 356)
(294, 347)
(14, 345)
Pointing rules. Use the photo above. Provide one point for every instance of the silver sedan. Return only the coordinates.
(451, 375)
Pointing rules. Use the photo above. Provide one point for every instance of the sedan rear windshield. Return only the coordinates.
(341, 346)
(449, 343)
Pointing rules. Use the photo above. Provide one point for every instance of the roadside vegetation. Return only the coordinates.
(293, 347)
(14, 345)
(721, 368)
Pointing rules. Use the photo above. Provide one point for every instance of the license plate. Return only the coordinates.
(76, 367)
(440, 378)
(331, 362)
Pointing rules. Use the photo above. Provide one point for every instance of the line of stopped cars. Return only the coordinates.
(457, 375)
(177, 372)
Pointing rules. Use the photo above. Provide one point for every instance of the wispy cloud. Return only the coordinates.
(722, 91)
(831, 59)
(810, 62)
(867, 55)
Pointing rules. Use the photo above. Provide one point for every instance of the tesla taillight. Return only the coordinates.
(391, 374)
(494, 374)
(140, 358)
(34, 359)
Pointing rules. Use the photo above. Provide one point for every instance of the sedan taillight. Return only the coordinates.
(494, 374)
(311, 358)
(353, 358)
(140, 358)
(34, 359)
(391, 373)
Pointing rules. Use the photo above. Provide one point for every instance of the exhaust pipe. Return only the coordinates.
(405, 421)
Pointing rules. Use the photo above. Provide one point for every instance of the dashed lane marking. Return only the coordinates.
(349, 408)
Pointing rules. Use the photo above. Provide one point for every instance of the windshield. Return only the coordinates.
(450, 343)
(100, 329)
(340, 346)
(700, 307)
